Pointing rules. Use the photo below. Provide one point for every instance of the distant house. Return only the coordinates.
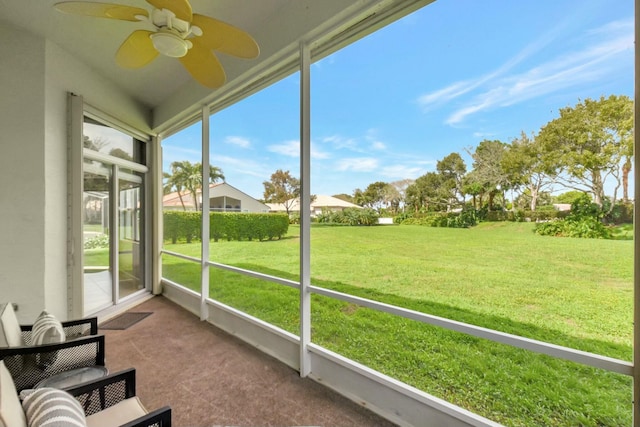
(222, 198)
(563, 207)
(320, 203)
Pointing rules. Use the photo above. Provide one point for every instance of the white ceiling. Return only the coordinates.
(164, 86)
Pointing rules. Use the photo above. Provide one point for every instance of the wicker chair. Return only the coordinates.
(106, 402)
(29, 363)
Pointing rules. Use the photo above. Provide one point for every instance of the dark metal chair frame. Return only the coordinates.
(83, 347)
(113, 389)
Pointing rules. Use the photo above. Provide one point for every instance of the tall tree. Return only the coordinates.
(187, 176)
(451, 169)
(475, 187)
(424, 193)
(524, 162)
(282, 188)
(375, 195)
(488, 171)
(591, 143)
(400, 187)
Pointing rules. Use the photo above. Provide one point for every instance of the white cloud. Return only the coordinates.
(374, 141)
(241, 165)
(339, 142)
(483, 134)
(238, 141)
(447, 93)
(402, 171)
(378, 145)
(358, 164)
(292, 149)
(605, 46)
(458, 89)
(289, 148)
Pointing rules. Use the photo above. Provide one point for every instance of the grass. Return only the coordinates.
(573, 292)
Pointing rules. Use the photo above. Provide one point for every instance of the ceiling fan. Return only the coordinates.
(178, 33)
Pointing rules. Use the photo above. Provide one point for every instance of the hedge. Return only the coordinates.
(186, 226)
(349, 216)
(470, 217)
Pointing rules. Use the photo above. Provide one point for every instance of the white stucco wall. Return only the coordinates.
(35, 76)
(22, 176)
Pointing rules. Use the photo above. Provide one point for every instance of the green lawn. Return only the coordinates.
(573, 292)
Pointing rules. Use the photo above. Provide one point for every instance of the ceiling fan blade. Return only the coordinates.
(225, 38)
(101, 10)
(137, 50)
(182, 8)
(204, 66)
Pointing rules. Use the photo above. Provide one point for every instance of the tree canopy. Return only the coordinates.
(589, 142)
(282, 188)
(586, 146)
(187, 176)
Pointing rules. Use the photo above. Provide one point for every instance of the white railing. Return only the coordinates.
(553, 350)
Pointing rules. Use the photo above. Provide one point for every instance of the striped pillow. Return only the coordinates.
(51, 407)
(47, 329)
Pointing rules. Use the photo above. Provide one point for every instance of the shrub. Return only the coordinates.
(99, 241)
(402, 216)
(181, 225)
(349, 216)
(185, 226)
(294, 218)
(584, 221)
(622, 213)
(466, 218)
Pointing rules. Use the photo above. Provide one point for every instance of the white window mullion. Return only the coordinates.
(305, 210)
(114, 203)
(636, 240)
(75, 210)
(204, 291)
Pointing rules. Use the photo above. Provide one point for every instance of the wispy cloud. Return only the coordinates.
(603, 49)
(238, 141)
(292, 149)
(374, 141)
(341, 143)
(402, 171)
(241, 165)
(458, 89)
(180, 153)
(358, 164)
(378, 145)
(483, 134)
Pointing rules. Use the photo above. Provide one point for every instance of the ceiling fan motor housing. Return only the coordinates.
(170, 44)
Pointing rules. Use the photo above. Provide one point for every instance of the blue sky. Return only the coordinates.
(438, 81)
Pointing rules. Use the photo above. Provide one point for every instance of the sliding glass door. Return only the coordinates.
(96, 232)
(130, 227)
(114, 220)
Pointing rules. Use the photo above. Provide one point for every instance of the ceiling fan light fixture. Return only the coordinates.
(170, 44)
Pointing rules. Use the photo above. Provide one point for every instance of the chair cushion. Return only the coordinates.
(52, 407)
(118, 414)
(11, 413)
(10, 333)
(47, 329)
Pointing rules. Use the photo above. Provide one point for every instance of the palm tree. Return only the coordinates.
(188, 176)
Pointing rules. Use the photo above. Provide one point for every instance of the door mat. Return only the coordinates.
(125, 320)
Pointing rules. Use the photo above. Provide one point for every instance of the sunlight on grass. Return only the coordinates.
(571, 292)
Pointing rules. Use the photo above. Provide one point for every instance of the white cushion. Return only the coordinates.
(10, 333)
(11, 413)
(118, 414)
(47, 329)
(52, 407)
